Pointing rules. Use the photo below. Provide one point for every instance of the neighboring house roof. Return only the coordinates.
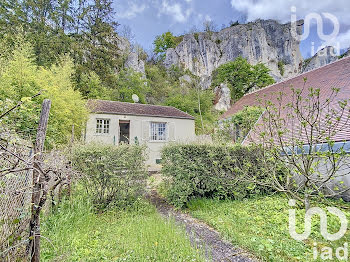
(123, 108)
(334, 75)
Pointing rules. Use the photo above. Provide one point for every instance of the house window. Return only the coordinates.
(102, 126)
(158, 131)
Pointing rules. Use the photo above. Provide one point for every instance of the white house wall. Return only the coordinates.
(179, 130)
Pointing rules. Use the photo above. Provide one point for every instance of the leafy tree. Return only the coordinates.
(128, 83)
(235, 128)
(92, 87)
(242, 77)
(298, 132)
(160, 84)
(85, 29)
(163, 42)
(97, 44)
(21, 79)
(196, 104)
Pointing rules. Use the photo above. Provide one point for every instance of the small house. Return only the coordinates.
(113, 122)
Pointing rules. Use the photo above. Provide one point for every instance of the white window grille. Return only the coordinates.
(102, 126)
(158, 131)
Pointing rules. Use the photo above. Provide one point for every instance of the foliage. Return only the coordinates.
(113, 176)
(91, 86)
(260, 225)
(299, 130)
(232, 23)
(159, 82)
(187, 101)
(138, 233)
(129, 83)
(242, 77)
(280, 66)
(21, 79)
(165, 88)
(83, 29)
(210, 171)
(235, 128)
(163, 42)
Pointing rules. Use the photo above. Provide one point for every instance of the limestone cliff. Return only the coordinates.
(321, 58)
(264, 41)
(132, 57)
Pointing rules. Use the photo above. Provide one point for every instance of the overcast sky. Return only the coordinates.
(149, 18)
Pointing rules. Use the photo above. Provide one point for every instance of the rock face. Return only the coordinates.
(223, 95)
(264, 41)
(185, 79)
(323, 57)
(133, 60)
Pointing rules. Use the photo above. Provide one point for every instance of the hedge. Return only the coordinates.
(112, 175)
(216, 171)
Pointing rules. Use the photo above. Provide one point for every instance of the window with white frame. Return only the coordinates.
(158, 131)
(102, 126)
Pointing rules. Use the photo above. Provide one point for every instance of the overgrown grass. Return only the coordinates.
(260, 225)
(76, 233)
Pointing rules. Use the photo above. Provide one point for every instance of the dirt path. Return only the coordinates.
(201, 235)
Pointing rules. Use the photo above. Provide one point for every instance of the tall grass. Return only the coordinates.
(75, 233)
(260, 225)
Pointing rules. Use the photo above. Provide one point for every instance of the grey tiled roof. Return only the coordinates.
(123, 108)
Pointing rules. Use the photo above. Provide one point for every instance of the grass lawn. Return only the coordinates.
(260, 225)
(76, 233)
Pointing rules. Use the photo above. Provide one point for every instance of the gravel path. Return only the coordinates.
(201, 235)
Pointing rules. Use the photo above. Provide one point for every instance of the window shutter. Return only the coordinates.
(145, 130)
(171, 131)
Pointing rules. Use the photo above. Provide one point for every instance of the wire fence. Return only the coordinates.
(18, 213)
(15, 196)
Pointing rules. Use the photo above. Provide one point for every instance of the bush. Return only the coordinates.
(112, 176)
(215, 171)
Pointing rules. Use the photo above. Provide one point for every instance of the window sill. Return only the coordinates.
(158, 141)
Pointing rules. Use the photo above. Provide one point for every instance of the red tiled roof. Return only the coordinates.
(334, 75)
(123, 108)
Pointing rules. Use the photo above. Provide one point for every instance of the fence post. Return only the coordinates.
(37, 184)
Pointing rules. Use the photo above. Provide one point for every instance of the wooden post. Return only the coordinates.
(69, 175)
(37, 182)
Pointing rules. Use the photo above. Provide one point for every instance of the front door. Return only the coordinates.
(124, 131)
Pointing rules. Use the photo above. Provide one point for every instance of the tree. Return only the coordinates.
(197, 103)
(297, 136)
(97, 44)
(209, 26)
(163, 42)
(236, 128)
(242, 77)
(128, 83)
(21, 79)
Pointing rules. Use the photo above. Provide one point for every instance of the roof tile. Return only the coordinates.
(123, 108)
(334, 75)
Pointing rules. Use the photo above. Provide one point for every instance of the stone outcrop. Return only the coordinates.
(264, 41)
(323, 57)
(133, 60)
(185, 79)
(223, 97)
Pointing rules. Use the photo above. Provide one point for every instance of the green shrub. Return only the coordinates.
(112, 175)
(215, 171)
(280, 66)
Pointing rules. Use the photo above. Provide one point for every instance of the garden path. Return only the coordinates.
(201, 235)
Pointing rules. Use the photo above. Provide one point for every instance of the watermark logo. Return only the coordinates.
(328, 39)
(323, 217)
(326, 252)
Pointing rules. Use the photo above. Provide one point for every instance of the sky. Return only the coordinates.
(327, 22)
